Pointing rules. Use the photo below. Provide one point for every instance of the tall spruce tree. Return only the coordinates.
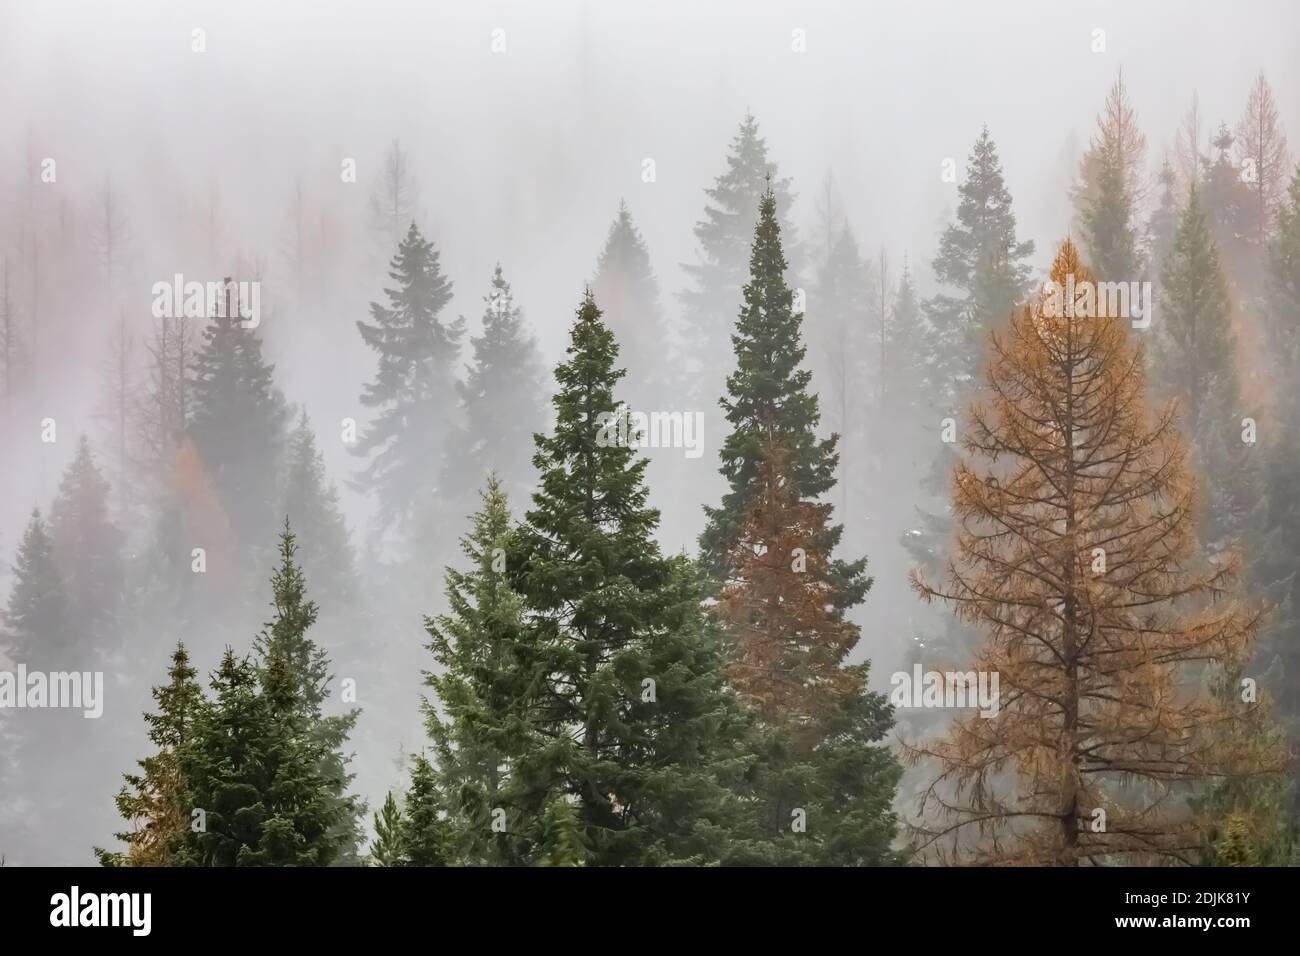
(628, 293)
(767, 396)
(311, 503)
(503, 393)
(39, 628)
(1110, 188)
(1193, 359)
(413, 392)
(88, 551)
(1163, 224)
(155, 801)
(485, 687)
(238, 420)
(724, 236)
(308, 668)
(636, 721)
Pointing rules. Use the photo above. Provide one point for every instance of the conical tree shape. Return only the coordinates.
(1110, 188)
(636, 717)
(503, 394)
(38, 626)
(1193, 361)
(628, 293)
(485, 685)
(155, 801)
(88, 550)
(238, 423)
(725, 234)
(311, 503)
(818, 727)
(767, 396)
(413, 393)
(1094, 611)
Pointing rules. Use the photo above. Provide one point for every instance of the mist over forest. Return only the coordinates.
(316, 444)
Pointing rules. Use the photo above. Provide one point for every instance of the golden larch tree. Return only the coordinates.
(1076, 554)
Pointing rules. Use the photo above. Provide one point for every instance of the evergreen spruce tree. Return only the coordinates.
(39, 629)
(503, 393)
(308, 669)
(1194, 361)
(1228, 206)
(413, 392)
(155, 801)
(637, 724)
(311, 503)
(983, 264)
(628, 293)
(767, 396)
(386, 849)
(724, 235)
(424, 836)
(485, 686)
(254, 770)
(561, 838)
(88, 550)
(1163, 224)
(238, 422)
(1110, 188)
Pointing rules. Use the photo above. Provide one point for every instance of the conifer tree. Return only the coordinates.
(1077, 556)
(725, 235)
(39, 630)
(561, 837)
(503, 393)
(839, 337)
(308, 670)
(817, 726)
(414, 389)
(1194, 361)
(628, 293)
(386, 849)
(311, 503)
(88, 550)
(485, 686)
(1163, 224)
(238, 421)
(424, 836)
(635, 718)
(1111, 187)
(767, 395)
(1263, 154)
(155, 801)
(1227, 205)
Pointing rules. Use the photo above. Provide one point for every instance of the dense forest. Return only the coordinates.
(813, 550)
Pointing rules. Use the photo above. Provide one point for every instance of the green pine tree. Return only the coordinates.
(724, 236)
(88, 550)
(561, 843)
(311, 503)
(636, 723)
(386, 848)
(155, 801)
(38, 626)
(413, 393)
(238, 420)
(1163, 224)
(503, 393)
(767, 396)
(485, 684)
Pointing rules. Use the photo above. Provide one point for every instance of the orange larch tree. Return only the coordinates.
(1076, 553)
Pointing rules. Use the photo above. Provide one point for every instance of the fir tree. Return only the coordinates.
(1193, 361)
(1110, 189)
(561, 843)
(1227, 205)
(724, 235)
(88, 550)
(386, 849)
(503, 393)
(485, 686)
(424, 837)
(414, 388)
(238, 420)
(308, 669)
(628, 293)
(38, 624)
(311, 503)
(635, 718)
(1163, 224)
(155, 801)
(767, 395)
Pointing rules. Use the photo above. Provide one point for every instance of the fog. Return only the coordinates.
(524, 126)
